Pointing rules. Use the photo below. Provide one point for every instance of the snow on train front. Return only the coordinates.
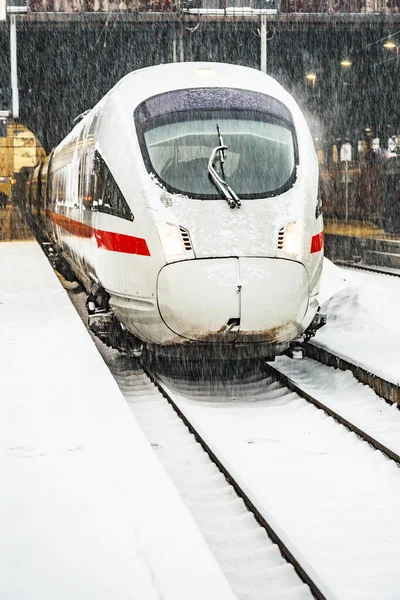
(189, 194)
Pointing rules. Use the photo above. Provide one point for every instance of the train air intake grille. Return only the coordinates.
(281, 238)
(186, 238)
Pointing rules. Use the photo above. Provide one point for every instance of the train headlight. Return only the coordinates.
(171, 240)
(293, 238)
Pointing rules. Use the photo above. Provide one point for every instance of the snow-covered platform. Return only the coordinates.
(86, 510)
(363, 325)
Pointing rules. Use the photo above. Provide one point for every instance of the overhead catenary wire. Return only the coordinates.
(386, 61)
(382, 39)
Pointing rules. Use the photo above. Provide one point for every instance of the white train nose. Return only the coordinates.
(223, 299)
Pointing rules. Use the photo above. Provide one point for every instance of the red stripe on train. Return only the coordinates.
(317, 242)
(74, 227)
(108, 240)
(119, 242)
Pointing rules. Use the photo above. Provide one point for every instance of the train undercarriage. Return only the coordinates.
(106, 327)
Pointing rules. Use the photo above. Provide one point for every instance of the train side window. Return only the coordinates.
(108, 198)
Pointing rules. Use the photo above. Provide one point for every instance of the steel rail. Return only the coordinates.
(286, 553)
(294, 387)
(371, 268)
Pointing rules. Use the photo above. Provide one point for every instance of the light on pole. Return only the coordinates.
(312, 77)
(390, 44)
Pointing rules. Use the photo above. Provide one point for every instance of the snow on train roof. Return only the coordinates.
(144, 83)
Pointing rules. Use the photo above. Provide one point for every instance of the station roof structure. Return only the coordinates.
(71, 53)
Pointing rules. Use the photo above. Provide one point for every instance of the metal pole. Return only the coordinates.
(14, 78)
(174, 56)
(263, 43)
(181, 48)
(346, 181)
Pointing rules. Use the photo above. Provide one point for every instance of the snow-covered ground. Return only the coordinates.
(86, 510)
(363, 312)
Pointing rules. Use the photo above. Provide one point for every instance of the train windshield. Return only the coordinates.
(178, 133)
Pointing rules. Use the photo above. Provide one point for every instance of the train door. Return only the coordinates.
(86, 192)
(43, 194)
(87, 239)
(49, 197)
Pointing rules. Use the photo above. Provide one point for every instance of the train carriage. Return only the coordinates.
(186, 201)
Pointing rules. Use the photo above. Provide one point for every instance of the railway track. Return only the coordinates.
(371, 268)
(273, 535)
(366, 433)
(255, 561)
(210, 409)
(298, 479)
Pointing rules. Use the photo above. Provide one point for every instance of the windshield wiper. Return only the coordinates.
(218, 181)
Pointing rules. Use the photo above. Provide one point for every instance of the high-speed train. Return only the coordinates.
(186, 202)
